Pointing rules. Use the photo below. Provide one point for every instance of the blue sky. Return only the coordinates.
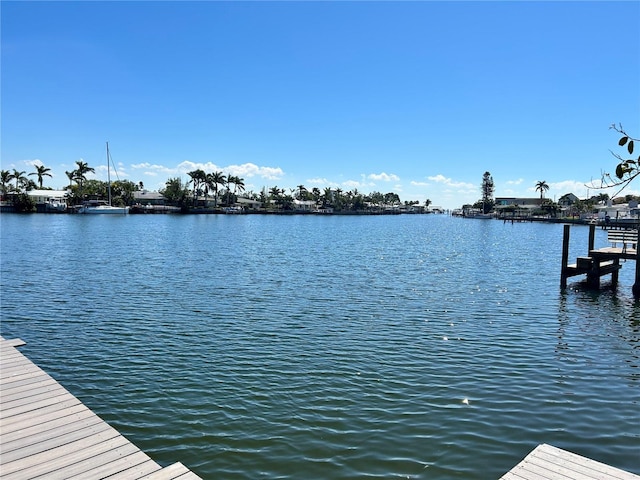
(417, 98)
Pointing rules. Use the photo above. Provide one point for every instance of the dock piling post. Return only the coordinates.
(592, 236)
(565, 257)
(636, 285)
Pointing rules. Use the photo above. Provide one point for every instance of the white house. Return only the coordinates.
(304, 205)
(45, 196)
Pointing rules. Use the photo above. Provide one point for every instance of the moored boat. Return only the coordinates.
(100, 206)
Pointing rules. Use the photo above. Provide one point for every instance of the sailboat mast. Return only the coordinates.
(108, 173)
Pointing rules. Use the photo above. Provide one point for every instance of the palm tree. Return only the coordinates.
(230, 179)
(5, 180)
(80, 173)
(71, 176)
(41, 171)
(542, 187)
(602, 198)
(327, 197)
(302, 192)
(238, 184)
(213, 180)
(198, 177)
(19, 177)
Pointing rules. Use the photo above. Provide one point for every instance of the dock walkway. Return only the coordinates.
(546, 462)
(47, 432)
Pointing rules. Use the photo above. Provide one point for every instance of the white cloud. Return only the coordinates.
(450, 183)
(246, 170)
(385, 177)
(351, 184)
(515, 182)
(317, 181)
(34, 163)
(151, 169)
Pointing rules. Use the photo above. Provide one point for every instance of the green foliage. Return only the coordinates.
(542, 187)
(175, 192)
(122, 192)
(41, 172)
(487, 190)
(627, 169)
(23, 203)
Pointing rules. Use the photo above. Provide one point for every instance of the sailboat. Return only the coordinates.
(100, 206)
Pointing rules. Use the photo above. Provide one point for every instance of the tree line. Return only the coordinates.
(224, 191)
(198, 191)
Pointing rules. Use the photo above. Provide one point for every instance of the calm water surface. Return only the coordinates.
(328, 347)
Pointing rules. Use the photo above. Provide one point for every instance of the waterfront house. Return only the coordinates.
(44, 196)
(49, 200)
(304, 205)
(567, 200)
(517, 207)
(621, 211)
(145, 197)
(248, 203)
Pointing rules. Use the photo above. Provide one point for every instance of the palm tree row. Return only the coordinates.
(228, 187)
(203, 184)
(22, 183)
(336, 199)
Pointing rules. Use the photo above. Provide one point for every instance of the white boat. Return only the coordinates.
(100, 206)
(232, 210)
(55, 205)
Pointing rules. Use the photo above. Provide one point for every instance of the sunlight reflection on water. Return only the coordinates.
(251, 346)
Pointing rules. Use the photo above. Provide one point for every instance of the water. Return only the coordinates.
(328, 346)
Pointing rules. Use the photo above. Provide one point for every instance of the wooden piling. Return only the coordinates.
(598, 263)
(565, 257)
(636, 285)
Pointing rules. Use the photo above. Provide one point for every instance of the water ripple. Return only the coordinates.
(328, 347)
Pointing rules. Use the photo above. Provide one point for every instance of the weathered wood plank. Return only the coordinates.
(34, 446)
(175, 471)
(36, 372)
(28, 406)
(56, 458)
(47, 432)
(134, 465)
(13, 370)
(46, 423)
(570, 462)
(37, 437)
(9, 388)
(26, 418)
(104, 462)
(31, 391)
(547, 462)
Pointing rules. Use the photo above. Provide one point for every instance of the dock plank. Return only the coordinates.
(547, 462)
(124, 465)
(47, 432)
(47, 423)
(175, 471)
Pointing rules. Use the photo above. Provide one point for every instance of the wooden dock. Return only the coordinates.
(546, 462)
(47, 432)
(602, 261)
